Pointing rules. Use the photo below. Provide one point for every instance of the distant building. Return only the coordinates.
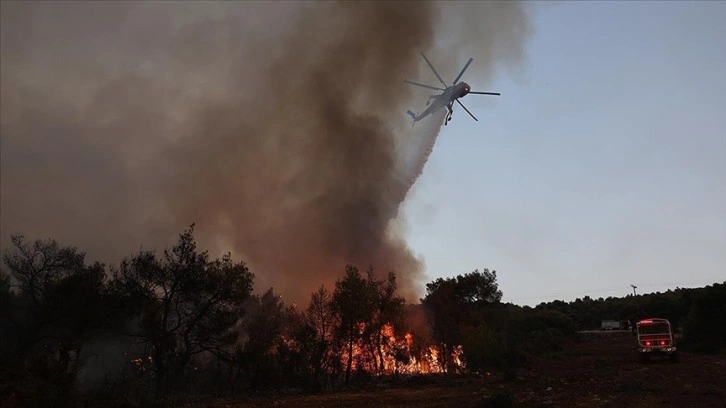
(610, 325)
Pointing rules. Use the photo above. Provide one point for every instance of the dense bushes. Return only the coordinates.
(704, 327)
(466, 310)
(699, 314)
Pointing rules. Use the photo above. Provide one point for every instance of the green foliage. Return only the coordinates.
(454, 302)
(545, 331)
(466, 310)
(504, 337)
(473, 288)
(698, 312)
(485, 348)
(705, 325)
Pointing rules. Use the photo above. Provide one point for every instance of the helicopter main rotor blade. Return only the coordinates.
(462, 71)
(467, 110)
(485, 93)
(433, 69)
(422, 85)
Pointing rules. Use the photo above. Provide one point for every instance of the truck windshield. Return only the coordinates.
(657, 328)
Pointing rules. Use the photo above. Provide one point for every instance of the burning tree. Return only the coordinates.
(363, 325)
(353, 305)
(369, 314)
(387, 313)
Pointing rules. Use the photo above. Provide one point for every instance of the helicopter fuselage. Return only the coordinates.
(445, 99)
(449, 94)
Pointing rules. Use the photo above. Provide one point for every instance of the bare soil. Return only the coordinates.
(600, 370)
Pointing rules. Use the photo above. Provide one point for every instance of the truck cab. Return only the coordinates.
(655, 337)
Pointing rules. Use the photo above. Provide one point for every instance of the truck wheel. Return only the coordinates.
(644, 358)
(674, 357)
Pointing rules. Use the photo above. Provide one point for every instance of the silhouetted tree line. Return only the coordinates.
(466, 310)
(698, 314)
(180, 323)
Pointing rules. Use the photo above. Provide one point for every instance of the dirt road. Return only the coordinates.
(601, 370)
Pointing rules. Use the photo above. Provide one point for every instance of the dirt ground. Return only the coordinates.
(601, 370)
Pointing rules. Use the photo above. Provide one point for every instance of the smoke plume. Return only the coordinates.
(278, 128)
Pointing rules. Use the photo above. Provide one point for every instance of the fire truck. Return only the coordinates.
(655, 337)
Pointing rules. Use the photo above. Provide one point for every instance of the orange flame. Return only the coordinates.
(387, 354)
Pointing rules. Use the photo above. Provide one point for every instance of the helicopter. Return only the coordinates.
(449, 94)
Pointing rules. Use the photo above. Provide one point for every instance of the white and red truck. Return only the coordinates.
(655, 337)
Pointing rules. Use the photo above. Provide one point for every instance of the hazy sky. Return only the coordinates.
(602, 164)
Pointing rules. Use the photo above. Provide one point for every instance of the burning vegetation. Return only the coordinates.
(182, 321)
(289, 147)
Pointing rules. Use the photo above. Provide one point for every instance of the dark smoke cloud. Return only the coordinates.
(277, 128)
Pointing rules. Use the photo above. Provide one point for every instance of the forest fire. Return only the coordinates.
(384, 353)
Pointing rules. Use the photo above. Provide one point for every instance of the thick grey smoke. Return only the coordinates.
(278, 128)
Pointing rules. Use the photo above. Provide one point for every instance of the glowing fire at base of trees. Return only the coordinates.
(211, 331)
(401, 355)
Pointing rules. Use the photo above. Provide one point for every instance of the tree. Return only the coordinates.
(6, 298)
(454, 302)
(320, 315)
(188, 304)
(322, 320)
(705, 324)
(387, 310)
(38, 266)
(353, 304)
(262, 328)
(59, 304)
